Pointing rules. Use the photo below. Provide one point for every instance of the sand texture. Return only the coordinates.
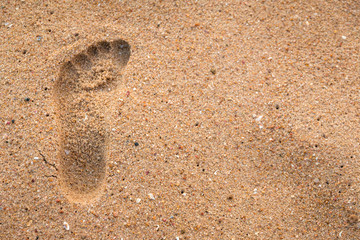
(180, 119)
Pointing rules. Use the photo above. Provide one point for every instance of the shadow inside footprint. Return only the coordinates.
(81, 89)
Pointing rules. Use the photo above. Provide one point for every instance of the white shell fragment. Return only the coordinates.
(151, 196)
(66, 226)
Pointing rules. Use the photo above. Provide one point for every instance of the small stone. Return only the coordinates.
(67, 152)
(8, 25)
(27, 99)
(13, 121)
(343, 37)
(213, 71)
(66, 226)
(316, 180)
(258, 119)
(353, 219)
(38, 38)
(111, 165)
(151, 196)
(136, 144)
(29, 223)
(138, 200)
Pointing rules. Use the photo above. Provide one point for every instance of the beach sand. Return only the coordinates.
(180, 119)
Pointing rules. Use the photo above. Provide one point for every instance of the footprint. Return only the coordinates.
(82, 92)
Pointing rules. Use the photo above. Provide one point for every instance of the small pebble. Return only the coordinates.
(258, 119)
(66, 226)
(38, 38)
(353, 219)
(316, 180)
(27, 99)
(29, 223)
(136, 144)
(8, 25)
(151, 196)
(138, 200)
(344, 37)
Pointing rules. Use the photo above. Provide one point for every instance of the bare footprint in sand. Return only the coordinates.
(81, 93)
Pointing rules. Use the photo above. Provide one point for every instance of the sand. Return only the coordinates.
(229, 120)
